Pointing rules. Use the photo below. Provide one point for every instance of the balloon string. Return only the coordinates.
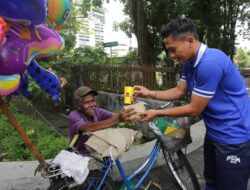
(45, 120)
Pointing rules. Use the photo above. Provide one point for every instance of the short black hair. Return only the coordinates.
(179, 26)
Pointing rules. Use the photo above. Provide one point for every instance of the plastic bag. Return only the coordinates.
(174, 134)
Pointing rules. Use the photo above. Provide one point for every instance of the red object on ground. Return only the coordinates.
(2, 30)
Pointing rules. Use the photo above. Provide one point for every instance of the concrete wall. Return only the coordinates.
(114, 103)
(247, 80)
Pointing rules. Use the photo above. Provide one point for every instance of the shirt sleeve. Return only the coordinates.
(75, 121)
(207, 79)
(104, 114)
(183, 77)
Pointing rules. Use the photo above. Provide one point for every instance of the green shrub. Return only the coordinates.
(49, 145)
(40, 134)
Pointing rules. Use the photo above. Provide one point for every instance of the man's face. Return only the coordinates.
(178, 49)
(88, 105)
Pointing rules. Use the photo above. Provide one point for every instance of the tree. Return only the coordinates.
(89, 55)
(215, 21)
(145, 23)
(64, 58)
(241, 58)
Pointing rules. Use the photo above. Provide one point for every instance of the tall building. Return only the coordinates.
(97, 29)
(92, 29)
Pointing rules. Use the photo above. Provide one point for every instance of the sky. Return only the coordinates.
(115, 13)
(244, 43)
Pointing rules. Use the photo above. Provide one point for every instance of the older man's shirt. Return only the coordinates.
(76, 119)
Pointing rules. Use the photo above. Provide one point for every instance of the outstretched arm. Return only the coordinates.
(194, 108)
(114, 120)
(168, 95)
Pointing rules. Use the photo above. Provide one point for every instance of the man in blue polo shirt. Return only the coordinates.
(218, 92)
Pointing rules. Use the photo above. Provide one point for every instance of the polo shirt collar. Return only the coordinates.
(199, 54)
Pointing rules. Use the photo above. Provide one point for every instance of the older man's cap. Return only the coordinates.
(83, 91)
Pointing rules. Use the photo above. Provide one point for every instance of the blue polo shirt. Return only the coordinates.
(227, 115)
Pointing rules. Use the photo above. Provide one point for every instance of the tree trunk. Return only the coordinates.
(146, 49)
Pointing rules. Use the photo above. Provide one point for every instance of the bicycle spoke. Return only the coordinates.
(181, 170)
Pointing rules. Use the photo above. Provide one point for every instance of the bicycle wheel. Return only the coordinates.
(91, 183)
(181, 170)
(58, 185)
(93, 180)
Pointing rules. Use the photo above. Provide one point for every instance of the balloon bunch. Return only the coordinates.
(2, 30)
(25, 36)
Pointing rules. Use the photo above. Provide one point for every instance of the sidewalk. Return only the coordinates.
(20, 175)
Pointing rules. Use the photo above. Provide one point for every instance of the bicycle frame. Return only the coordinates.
(148, 164)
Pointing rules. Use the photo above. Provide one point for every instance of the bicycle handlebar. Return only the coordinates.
(162, 106)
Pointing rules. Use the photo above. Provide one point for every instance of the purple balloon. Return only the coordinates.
(24, 11)
(24, 43)
(23, 88)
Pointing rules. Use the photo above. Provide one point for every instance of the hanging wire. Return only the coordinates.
(44, 118)
(47, 121)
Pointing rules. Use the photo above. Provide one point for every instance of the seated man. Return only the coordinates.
(88, 118)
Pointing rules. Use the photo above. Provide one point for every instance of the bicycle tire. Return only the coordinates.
(95, 175)
(58, 185)
(181, 170)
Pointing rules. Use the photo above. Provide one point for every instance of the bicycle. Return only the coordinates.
(176, 161)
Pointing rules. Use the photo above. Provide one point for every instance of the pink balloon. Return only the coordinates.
(2, 30)
(24, 43)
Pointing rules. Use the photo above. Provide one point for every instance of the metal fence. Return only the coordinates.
(113, 79)
(246, 74)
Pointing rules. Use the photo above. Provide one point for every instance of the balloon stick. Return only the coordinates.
(22, 133)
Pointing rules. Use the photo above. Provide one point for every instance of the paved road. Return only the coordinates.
(162, 179)
(19, 175)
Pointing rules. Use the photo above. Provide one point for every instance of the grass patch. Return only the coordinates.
(41, 135)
